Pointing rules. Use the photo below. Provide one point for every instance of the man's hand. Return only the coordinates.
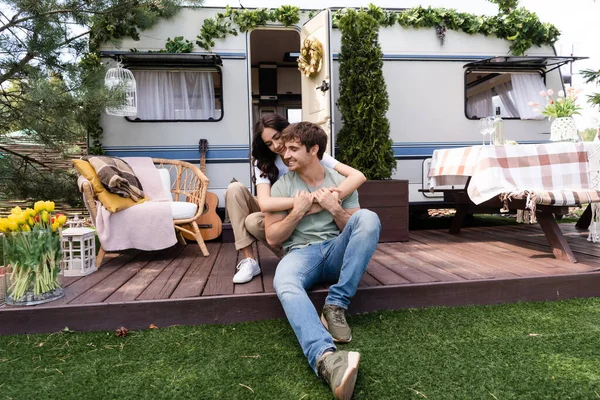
(302, 202)
(329, 200)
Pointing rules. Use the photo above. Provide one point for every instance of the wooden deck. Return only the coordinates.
(178, 286)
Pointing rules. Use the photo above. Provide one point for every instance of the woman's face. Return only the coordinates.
(272, 139)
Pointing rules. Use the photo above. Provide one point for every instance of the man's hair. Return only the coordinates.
(308, 134)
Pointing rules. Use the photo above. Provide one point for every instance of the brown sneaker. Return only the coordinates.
(340, 370)
(334, 320)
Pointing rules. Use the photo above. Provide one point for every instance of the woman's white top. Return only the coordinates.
(327, 161)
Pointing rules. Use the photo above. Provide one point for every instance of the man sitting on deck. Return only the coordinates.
(332, 243)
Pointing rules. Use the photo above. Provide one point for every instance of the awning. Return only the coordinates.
(546, 63)
(146, 59)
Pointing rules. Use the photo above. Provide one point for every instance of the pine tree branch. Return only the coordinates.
(18, 66)
(24, 157)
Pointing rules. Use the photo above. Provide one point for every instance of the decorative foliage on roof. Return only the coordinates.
(518, 25)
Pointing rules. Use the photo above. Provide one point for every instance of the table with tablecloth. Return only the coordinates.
(548, 174)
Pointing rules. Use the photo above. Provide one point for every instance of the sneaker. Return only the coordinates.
(339, 370)
(246, 270)
(334, 320)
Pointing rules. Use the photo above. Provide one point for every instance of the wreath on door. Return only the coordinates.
(310, 61)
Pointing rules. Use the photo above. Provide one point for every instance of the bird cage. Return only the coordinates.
(79, 251)
(120, 78)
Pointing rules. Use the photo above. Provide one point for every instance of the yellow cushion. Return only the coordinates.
(111, 201)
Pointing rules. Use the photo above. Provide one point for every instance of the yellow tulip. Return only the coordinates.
(13, 226)
(16, 210)
(45, 216)
(55, 226)
(39, 206)
(25, 228)
(30, 222)
(30, 211)
(50, 206)
(62, 220)
(3, 225)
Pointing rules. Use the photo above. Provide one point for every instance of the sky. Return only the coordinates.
(575, 19)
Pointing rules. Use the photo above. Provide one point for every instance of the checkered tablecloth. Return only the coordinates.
(552, 173)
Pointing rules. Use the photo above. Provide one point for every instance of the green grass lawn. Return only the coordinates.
(518, 351)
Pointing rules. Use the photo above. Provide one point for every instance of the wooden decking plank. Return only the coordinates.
(167, 281)
(114, 281)
(136, 285)
(69, 280)
(407, 258)
(533, 234)
(268, 264)
(220, 280)
(384, 275)
(488, 255)
(368, 280)
(409, 273)
(197, 275)
(470, 260)
(537, 251)
(256, 284)
(538, 255)
(82, 285)
(449, 262)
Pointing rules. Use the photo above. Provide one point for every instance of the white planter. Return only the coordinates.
(564, 129)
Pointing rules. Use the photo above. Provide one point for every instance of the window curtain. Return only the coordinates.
(480, 105)
(504, 90)
(526, 88)
(172, 95)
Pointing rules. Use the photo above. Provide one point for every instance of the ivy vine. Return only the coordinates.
(516, 24)
(225, 23)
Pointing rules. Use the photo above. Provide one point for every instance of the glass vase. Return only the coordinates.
(32, 267)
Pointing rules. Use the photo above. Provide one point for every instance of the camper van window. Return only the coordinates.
(509, 90)
(178, 95)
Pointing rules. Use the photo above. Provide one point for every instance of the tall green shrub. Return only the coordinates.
(364, 140)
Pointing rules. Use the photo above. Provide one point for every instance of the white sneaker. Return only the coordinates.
(246, 270)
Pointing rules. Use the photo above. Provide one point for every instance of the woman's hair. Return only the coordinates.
(262, 156)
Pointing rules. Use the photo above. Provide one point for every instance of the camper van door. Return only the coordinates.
(316, 90)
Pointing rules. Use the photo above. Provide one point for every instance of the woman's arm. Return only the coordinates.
(354, 178)
(272, 204)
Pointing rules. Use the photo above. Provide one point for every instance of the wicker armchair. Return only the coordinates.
(189, 184)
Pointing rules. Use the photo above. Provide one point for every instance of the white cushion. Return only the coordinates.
(183, 209)
(165, 180)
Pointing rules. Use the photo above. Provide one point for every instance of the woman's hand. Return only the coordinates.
(314, 209)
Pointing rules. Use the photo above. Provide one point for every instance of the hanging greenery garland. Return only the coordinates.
(310, 61)
(515, 24)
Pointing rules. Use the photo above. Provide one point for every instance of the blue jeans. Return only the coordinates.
(342, 261)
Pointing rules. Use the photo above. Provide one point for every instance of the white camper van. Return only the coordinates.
(437, 93)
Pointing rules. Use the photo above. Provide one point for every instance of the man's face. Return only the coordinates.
(296, 155)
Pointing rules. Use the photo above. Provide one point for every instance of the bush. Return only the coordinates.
(364, 141)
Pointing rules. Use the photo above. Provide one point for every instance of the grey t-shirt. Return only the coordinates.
(317, 227)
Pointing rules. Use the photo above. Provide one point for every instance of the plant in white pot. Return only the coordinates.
(561, 108)
(364, 140)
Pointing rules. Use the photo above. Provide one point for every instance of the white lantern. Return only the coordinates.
(122, 78)
(79, 251)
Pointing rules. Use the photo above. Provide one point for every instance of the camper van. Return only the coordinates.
(437, 94)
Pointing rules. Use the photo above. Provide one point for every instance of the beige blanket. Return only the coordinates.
(145, 226)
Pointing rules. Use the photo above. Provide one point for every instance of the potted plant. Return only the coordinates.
(364, 140)
(562, 108)
(32, 254)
